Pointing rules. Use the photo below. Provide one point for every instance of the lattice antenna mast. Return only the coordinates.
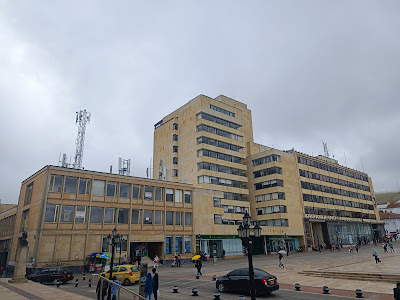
(325, 149)
(82, 118)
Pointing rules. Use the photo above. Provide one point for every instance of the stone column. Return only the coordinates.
(20, 265)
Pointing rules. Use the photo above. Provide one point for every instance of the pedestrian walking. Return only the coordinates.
(178, 260)
(396, 291)
(139, 259)
(114, 288)
(1, 270)
(101, 291)
(148, 286)
(155, 261)
(198, 266)
(280, 258)
(357, 247)
(351, 249)
(384, 246)
(391, 247)
(155, 285)
(375, 254)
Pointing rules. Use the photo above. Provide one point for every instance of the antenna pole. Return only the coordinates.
(82, 118)
(325, 148)
(345, 159)
(362, 164)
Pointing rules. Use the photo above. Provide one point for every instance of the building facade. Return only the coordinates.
(68, 213)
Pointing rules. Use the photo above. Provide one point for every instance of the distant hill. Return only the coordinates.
(382, 198)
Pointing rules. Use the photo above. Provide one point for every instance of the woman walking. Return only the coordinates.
(375, 254)
(148, 286)
(281, 265)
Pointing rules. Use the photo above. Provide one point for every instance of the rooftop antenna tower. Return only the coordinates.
(325, 148)
(124, 166)
(82, 118)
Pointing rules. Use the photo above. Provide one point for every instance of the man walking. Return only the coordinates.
(114, 288)
(396, 291)
(198, 266)
(155, 285)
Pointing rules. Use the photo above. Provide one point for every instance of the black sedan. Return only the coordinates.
(49, 275)
(238, 281)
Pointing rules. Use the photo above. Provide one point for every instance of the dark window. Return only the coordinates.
(55, 183)
(175, 160)
(28, 194)
(175, 137)
(187, 196)
(175, 126)
(174, 149)
(147, 217)
(111, 189)
(123, 216)
(124, 190)
(137, 191)
(84, 186)
(148, 192)
(70, 185)
(169, 195)
(175, 172)
(169, 218)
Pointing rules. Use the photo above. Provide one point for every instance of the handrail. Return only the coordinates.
(120, 286)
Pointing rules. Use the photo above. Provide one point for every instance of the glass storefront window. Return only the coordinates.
(168, 244)
(178, 244)
(188, 242)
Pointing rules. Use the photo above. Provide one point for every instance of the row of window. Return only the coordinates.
(333, 201)
(270, 196)
(275, 222)
(333, 169)
(331, 190)
(230, 208)
(271, 210)
(221, 110)
(220, 168)
(268, 171)
(268, 184)
(220, 144)
(334, 180)
(222, 181)
(5, 244)
(28, 194)
(266, 159)
(338, 213)
(213, 130)
(7, 225)
(218, 120)
(110, 215)
(218, 155)
(169, 244)
(117, 189)
(235, 196)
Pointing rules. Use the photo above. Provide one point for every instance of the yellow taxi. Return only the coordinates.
(127, 274)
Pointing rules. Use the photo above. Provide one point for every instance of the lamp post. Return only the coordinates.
(319, 248)
(114, 240)
(198, 238)
(244, 234)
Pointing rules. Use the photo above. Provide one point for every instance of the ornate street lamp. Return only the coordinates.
(244, 234)
(114, 240)
(198, 238)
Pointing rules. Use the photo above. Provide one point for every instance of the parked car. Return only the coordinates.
(127, 274)
(238, 281)
(49, 275)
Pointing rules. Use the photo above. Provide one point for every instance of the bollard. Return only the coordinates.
(90, 282)
(197, 276)
(217, 296)
(359, 293)
(325, 289)
(84, 276)
(242, 297)
(195, 292)
(76, 283)
(175, 289)
(297, 286)
(214, 277)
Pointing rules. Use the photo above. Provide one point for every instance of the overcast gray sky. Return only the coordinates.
(308, 70)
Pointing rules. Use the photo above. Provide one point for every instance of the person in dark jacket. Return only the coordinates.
(148, 286)
(396, 291)
(198, 266)
(155, 285)
(101, 291)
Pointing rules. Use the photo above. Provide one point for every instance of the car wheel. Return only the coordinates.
(221, 287)
(127, 281)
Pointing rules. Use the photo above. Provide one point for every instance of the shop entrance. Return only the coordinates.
(148, 249)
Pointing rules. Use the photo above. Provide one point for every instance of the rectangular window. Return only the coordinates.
(51, 213)
(188, 244)
(159, 193)
(84, 186)
(217, 202)
(124, 242)
(24, 223)
(217, 219)
(105, 247)
(123, 216)
(178, 195)
(175, 137)
(109, 215)
(96, 214)
(98, 188)
(137, 191)
(70, 185)
(147, 217)
(175, 126)
(67, 213)
(175, 172)
(80, 214)
(28, 194)
(148, 192)
(187, 196)
(135, 216)
(178, 216)
(170, 195)
(221, 110)
(178, 244)
(158, 217)
(169, 218)
(124, 190)
(175, 160)
(174, 149)
(188, 218)
(168, 244)
(111, 189)
(55, 183)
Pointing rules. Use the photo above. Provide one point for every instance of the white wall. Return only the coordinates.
(392, 225)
